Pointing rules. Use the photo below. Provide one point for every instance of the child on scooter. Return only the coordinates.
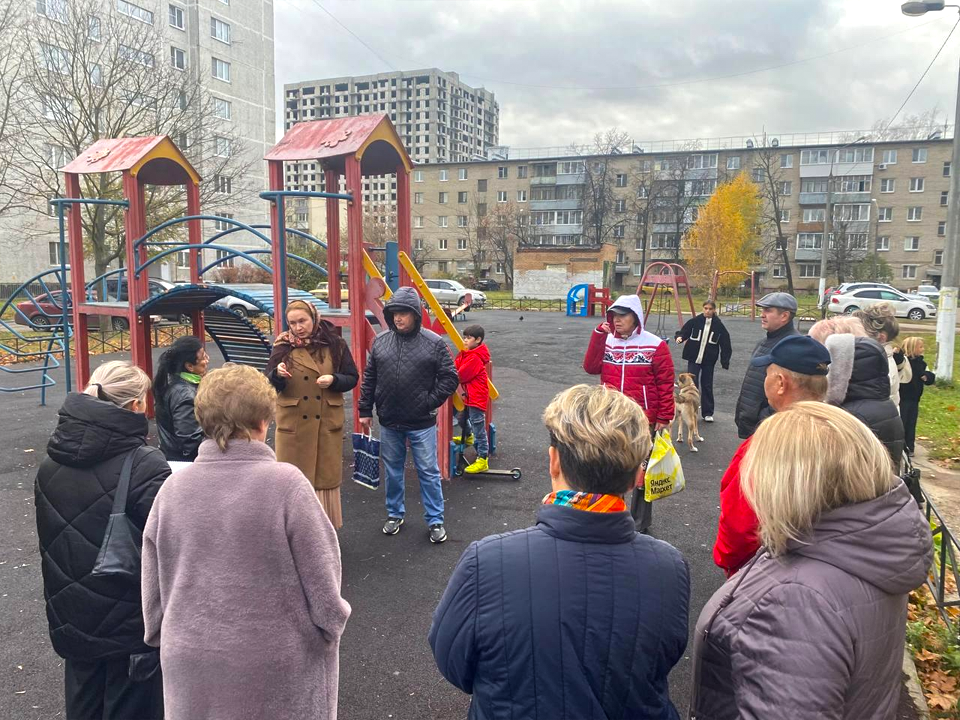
(471, 365)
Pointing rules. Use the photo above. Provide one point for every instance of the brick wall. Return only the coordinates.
(549, 273)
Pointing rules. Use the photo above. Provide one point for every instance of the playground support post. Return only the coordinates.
(356, 279)
(275, 177)
(81, 343)
(65, 326)
(334, 295)
(403, 212)
(195, 236)
(135, 223)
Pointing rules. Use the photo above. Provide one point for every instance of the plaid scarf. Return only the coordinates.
(590, 502)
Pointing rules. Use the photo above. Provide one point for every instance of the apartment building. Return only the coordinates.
(224, 46)
(889, 198)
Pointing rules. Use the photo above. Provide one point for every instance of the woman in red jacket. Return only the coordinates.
(638, 364)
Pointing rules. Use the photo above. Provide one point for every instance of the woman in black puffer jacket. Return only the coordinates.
(859, 382)
(96, 622)
(178, 375)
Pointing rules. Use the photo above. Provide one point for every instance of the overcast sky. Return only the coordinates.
(563, 70)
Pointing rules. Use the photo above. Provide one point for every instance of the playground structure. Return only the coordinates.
(672, 277)
(727, 308)
(583, 300)
(352, 148)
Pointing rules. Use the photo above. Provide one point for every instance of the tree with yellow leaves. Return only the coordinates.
(726, 235)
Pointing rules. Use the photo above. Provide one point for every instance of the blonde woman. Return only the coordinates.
(96, 622)
(880, 322)
(814, 626)
(241, 571)
(579, 616)
(911, 392)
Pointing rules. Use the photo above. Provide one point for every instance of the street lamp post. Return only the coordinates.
(827, 219)
(947, 314)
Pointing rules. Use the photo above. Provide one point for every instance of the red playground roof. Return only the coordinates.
(372, 138)
(154, 158)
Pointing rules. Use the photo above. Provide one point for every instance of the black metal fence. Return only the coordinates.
(526, 304)
(8, 289)
(944, 561)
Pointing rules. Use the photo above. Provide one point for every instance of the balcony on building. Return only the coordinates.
(567, 204)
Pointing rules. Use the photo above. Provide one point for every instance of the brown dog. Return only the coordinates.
(686, 397)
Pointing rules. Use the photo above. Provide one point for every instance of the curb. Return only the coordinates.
(913, 685)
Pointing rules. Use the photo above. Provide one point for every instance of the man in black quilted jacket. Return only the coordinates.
(409, 375)
(777, 311)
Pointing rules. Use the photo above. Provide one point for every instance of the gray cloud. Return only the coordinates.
(512, 46)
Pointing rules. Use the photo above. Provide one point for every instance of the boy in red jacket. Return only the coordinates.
(471, 365)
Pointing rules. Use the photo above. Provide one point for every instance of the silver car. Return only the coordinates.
(451, 292)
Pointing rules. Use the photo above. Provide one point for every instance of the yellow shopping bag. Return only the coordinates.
(664, 475)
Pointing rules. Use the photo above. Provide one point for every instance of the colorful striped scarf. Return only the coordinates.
(590, 502)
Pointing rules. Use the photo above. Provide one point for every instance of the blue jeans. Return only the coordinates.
(477, 424)
(393, 453)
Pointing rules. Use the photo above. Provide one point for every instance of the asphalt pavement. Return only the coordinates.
(392, 583)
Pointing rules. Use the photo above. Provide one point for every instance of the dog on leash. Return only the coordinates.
(686, 398)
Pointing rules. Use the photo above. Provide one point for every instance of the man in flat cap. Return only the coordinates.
(777, 311)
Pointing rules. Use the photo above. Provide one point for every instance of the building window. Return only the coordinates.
(57, 156)
(443, 198)
(175, 15)
(620, 206)
(733, 163)
(919, 156)
(938, 257)
(779, 271)
(888, 185)
(909, 272)
(946, 169)
(135, 11)
(851, 213)
(854, 183)
(813, 215)
(54, 250)
(911, 244)
(786, 161)
(442, 245)
(418, 244)
(916, 185)
(785, 216)
(444, 175)
(222, 108)
(462, 197)
(501, 196)
(621, 180)
(499, 268)
(502, 172)
(223, 224)
(219, 30)
(855, 155)
(521, 172)
(941, 228)
(462, 174)
(418, 175)
(813, 186)
(178, 58)
(461, 221)
(786, 187)
(481, 185)
(418, 221)
(889, 157)
(885, 214)
(223, 185)
(221, 69)
(883, 243)
(461, 243)
(93, 28)
(137, 56)
(442, 221)
(183, 260)
(914, 214)
(699, 162)
(809, 241)
(757, 174)
(619, 230)
(521, 196)
(222, 147)
(572, 167)
(809, 270)
(54, 10)
(481, 209)
(442, 267)
(944, 197)
(418, 198)
(814, 157)
(227, 257)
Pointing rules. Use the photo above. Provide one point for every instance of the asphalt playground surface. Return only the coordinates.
(393, 583)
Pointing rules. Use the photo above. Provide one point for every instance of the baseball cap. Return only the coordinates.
(620, 309)
(781, 300)
(799, 353)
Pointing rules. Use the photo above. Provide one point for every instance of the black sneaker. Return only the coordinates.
(392, 526)
(437, 533)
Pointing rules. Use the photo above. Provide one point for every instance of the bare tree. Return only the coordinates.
(508, 227)
(646, 192)
(845, 250)
(420, 256)
(769, 174)
(599, 180)
(11, 71)
(90, 72)
(678, 192)
(922, 126)
(474, 229)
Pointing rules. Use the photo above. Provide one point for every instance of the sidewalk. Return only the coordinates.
(942, 485)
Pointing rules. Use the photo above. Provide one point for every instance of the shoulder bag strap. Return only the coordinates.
(123, 487)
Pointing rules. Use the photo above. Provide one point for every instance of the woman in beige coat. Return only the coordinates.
(311, 367)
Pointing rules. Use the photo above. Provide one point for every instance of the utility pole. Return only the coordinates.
(947, 314)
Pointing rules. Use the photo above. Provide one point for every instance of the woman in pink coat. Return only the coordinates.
(241, 572)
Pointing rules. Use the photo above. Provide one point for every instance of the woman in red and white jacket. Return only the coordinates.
(638, 364)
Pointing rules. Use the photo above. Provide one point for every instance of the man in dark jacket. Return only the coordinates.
(707, 341)
(776, 317)
(96, 622)
(579, 616)
(409, 375)
(859, 382)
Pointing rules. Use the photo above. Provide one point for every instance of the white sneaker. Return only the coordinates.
(708, 418)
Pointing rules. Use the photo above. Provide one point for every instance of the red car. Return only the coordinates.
(46, 309)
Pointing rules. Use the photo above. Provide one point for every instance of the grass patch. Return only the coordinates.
(938, 427)
(936, 652)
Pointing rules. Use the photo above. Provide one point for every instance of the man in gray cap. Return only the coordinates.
(776, 317)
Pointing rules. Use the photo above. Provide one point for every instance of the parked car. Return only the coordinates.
(322, 292)
(904, 306)
(239, 306)
(38, 312)
(929, 292)
(450, 292)
(488, 284)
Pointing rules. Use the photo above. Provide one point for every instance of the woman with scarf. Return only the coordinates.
(311, 367)
(175, 383)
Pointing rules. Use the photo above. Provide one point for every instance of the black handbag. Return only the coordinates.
(119, 554)
(911, 478)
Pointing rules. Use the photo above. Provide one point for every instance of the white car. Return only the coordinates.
(929, 292)
(903, 305)
(451, 292)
